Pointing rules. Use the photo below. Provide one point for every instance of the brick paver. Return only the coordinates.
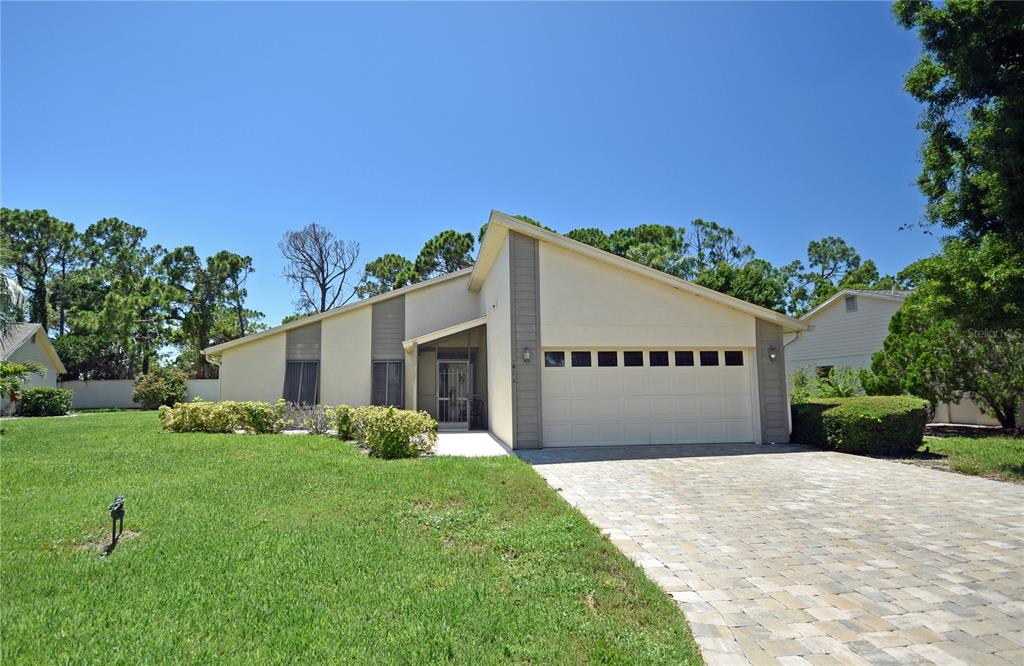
(778, 554)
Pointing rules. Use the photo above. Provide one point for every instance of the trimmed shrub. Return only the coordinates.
(387, 432)
(343, 422)
(45, 401)
(200, 416)
(877, 425)
(260, 418)
(163, 386)
(873, 425)
(807, 424)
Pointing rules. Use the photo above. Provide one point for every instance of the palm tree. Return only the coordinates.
(14, 375)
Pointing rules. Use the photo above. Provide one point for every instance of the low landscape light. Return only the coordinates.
(116, 514)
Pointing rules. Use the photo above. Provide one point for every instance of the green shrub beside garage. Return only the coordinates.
(867, 425)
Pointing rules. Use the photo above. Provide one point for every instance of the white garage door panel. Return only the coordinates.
(661, 405)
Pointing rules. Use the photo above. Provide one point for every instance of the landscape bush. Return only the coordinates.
(385, 432)
(200, 416)
(872, 425)
(45, 401)
(343, 422)
(260, 418)
(841, 382)
(162, 386)
(388, 432)
(808, 425)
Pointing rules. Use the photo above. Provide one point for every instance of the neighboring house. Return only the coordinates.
(847, 329)
(29, 342)
(544, 342)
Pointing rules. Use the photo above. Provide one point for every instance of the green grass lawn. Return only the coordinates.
(283, 548)
(998, 457)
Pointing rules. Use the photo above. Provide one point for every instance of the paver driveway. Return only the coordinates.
(778, 554)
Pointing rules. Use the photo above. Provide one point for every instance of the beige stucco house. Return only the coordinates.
(543, 342)
(29, 343)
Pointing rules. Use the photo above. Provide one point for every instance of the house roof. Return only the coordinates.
(500, 224)
(412, 343)
(498, 227)
(298, 323)
(20, 334)
(899, 295)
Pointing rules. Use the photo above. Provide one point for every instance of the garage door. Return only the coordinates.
(646, 397)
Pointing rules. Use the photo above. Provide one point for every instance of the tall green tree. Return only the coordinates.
(384, 274)
(591, 236)
(948, 339)
(117, 309)
(198, 291)
(970, 80)
(755, 281)
(447, 252)
(37, 242)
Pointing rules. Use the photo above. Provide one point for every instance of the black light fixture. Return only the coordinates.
(116, 514)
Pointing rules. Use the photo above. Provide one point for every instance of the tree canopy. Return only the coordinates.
(117, 304)
(970, 80)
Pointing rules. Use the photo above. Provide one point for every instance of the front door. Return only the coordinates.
(453, 395)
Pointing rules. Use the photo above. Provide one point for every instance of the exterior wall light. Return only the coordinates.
(526, 355)
(772, 353)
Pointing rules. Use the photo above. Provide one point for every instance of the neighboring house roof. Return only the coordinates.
(298, 323)
(883, 294)
(20, 335)
(500, 223)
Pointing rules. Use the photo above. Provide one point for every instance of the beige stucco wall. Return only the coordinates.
(440, 306)
(345, 358)
(585, 303)
(495, 298)
(254, 371)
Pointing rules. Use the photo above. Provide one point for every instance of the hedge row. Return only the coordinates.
(386, 432)
(45, 401)
(227, 416)
(874, 425)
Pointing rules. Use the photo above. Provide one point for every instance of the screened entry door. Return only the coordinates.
(453, 394)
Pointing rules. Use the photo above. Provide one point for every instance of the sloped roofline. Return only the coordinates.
(842, 293)
(500, 224)
(298, 323)
(29, 333)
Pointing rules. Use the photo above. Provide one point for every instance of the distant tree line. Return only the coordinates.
(114, 303)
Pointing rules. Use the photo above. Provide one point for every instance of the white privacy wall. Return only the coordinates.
(117, 393)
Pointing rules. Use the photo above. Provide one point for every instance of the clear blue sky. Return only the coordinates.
(223, 125)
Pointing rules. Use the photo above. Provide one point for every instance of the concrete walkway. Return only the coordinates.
(778, 554)
(473, 444)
